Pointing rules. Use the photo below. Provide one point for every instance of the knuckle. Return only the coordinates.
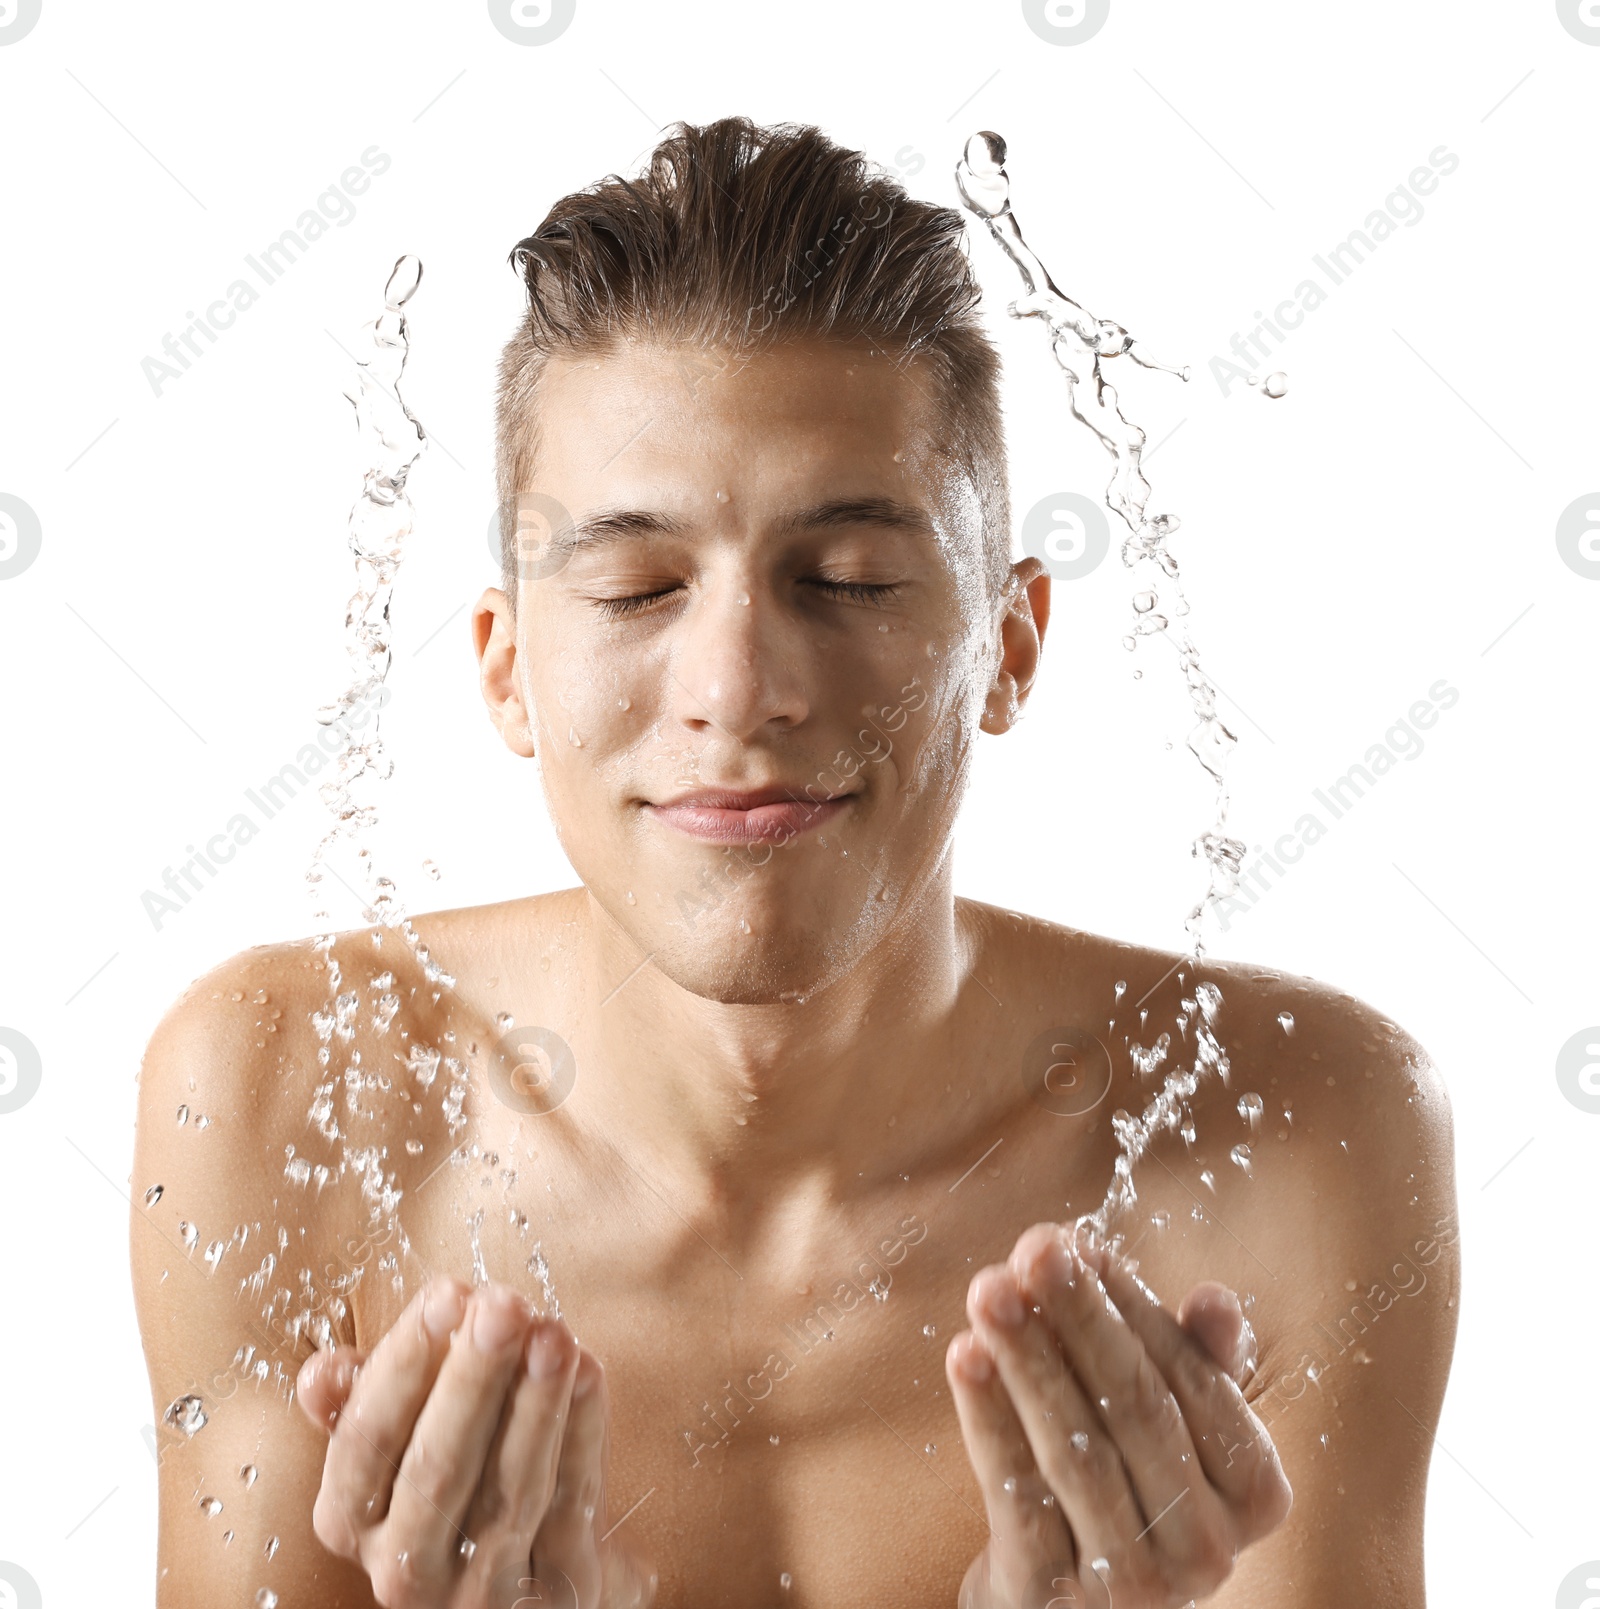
(1269, 1496)
(425, 1471)
(491, 1508)
(1150, 1396)
(333, 1527)
(1211, 1559)
(1197, 1373)
(394, 1581)
(1094, 1469)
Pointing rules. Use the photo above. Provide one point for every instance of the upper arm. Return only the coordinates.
(1352, 1387)
(225, 1533)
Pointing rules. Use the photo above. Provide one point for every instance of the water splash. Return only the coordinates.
(380, 522)
(1081, 343)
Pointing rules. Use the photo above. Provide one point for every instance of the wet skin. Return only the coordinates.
(798, 1086)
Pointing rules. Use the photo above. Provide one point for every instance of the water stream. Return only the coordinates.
(1081, 344)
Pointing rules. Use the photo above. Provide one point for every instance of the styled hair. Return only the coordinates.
(741, 236)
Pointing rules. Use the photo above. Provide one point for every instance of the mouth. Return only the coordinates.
(759, 815)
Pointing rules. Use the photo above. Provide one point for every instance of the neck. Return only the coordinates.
(744, 1102)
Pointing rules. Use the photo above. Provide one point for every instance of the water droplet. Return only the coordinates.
(183, 1116)
(403, 282)
(744, 926)
(152, 1195)
(1286, 1021)
(271, 1548)
(898, 456)
(624, 703)
(187, 1413)
(929, 1331)
(1240, 1154)
(785, 1580)
(629, 897)
(1144, 602)
(504, 1020)
(432, 869)
(1251, 1107)
(1208, 1179)
(930, 1449)
(1080, 1441)
(722, 496)
(1160, 1220)
(266, 1598)
(248, 1475)
(773, 1440)
(1118, 990)
(1275, 385)
(573, 738)
(211, 1507)
(744, 599)
(414, 1147)
(188, 1234)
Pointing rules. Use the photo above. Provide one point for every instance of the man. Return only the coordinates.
(703, 1232)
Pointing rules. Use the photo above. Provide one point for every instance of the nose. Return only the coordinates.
(737, 665)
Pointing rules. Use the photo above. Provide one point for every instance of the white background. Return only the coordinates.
(1388, 524)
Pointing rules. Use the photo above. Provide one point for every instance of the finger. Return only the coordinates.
(1235, 1450)
(323, 1385)
(444, 1459)
(375, 1424)
(1213, 1315)
(1184, 1519)
(519, 1472)
(566, 1538)
(1070, 1445)
(1025, 1520)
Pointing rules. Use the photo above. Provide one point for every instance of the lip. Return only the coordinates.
(744, 816)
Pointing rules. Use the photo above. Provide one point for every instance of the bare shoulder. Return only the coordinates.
(292, 1096)
(218, 1235)
(286, 1107)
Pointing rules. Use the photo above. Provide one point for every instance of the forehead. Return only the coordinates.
(799, 413)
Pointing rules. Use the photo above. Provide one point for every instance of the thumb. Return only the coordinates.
(323, 1385)
(1213, 1315)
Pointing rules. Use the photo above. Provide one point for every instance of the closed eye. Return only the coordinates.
(634, 603)
(859, 591)
(875, 593)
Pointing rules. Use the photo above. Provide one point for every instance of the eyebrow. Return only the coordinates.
(835, 513)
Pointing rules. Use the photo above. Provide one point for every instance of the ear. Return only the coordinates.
(1021, 640)
(494, 636)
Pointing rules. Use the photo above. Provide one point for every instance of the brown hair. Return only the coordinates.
(738, 235)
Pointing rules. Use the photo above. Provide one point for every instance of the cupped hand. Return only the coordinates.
(1118, 1460)
(466, 1460)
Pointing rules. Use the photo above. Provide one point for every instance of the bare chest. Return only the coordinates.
(782, 1431)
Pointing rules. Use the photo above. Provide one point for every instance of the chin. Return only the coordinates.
(780, 963)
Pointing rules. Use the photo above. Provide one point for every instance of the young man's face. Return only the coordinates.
(776, 587)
